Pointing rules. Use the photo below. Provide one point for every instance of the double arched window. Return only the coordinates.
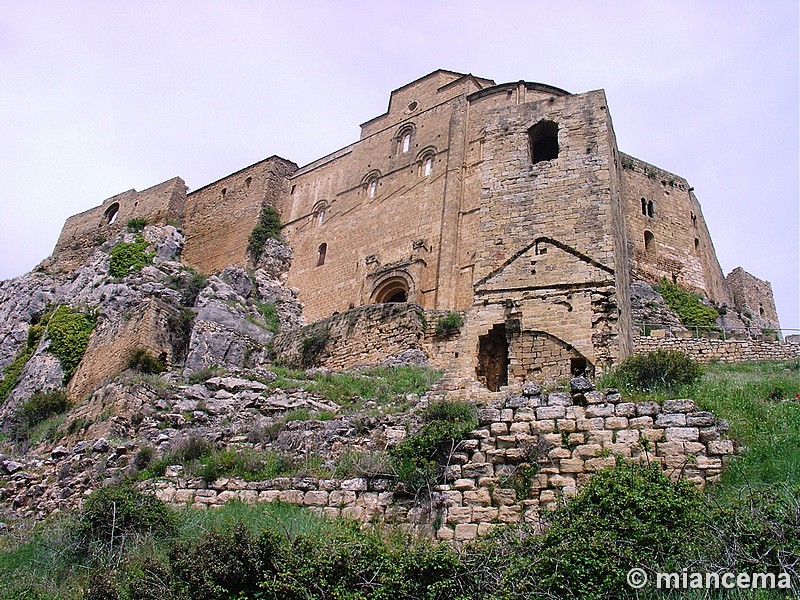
(319, 212)
(371, 183)
(425, 162)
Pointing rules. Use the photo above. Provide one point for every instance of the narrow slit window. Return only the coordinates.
(649, 241)
(322, 252)
(373, 188)
(651, 209)
(644, 207)
(406, 142)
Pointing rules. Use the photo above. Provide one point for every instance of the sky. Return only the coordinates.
(98, 97)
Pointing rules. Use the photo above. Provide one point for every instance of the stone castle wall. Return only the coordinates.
(663, 205)
(83, 233)
(753, 298)
(735, 350)
(221, 215)
(556, 440)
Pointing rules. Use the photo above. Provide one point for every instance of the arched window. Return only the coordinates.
(649, 241)
(394, 289)
(425, 162)
(696, 244)
(543, 141)
(247, 182)
(322, 251)
(370, 183)
(650, 209)
(644, 207)
(111, 213)
(318, 214)
(404, 137)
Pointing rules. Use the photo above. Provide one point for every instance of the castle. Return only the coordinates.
(509, 203)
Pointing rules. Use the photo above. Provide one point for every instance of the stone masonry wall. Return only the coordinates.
(83, 233)
(707, 350)
(754, 299)
(366, 335)
(561, 439)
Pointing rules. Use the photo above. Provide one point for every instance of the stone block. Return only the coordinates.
(559, 399)
(720, 447)
(627, 436)
(315, 499)
(479, 497)
(464, 484)
(357, 484)
(445, 533)
(626, 409)
(474, 470)
(291, 496)
(679, 406)
(685, 434)
(573, 465)
(648, 409)
(520, 427)
(458, 514)
(599, 410)
(465, 532)
(701, 419)
(616, 423)
(595, 464)
(566, 425)
(510, 514)
(550, 412)
(640, 423)
(548, 426)
(488, 415)
(503, 497)
(484, 514)
(498, 429)
(590, 424)
(671, 420)
(603, 438)
(595, 397)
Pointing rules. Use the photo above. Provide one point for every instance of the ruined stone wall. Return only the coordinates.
(547, 252)
(527, 453)
(83, 233)
(147, 327)
(736, 350)
(753, 298)
(364, 336)
(221, 215)
(663, 205)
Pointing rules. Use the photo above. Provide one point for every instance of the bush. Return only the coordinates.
(119, 510)
(42, 405)
(142, 361)
(626, 516)
(69, 330)
(189, 283)
(269, 226)
(127, 257)
(690, 310)
(418, 459)
(136, 225)
(449, 324)
(661, 370)
(269, 311)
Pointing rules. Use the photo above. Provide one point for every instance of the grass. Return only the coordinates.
(760, 402)
(350, 389)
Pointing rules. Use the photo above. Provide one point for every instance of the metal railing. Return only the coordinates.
(721, 332)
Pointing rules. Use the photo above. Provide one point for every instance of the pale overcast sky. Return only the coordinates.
(97, 97)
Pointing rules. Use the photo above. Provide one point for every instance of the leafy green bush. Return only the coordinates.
(189, 283)
(43, 405)
(626, 516)
(449, 324)
(69, 330)
(127, 257)
(661, 370)
(119, 510)
(419, 457)
(268, 226)
(687, 305)
(137, 224)
(142, 361)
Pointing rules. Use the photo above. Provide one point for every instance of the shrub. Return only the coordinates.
(189, 283)
(687, 305)
(127, 257)
(119, 510)
(268, 226)
(418, 458)
(625, 516)
(661, 370)
(449, 324)
(204, 374)
(142, 361)
(69, 330)
(136, 225)
(44, 404)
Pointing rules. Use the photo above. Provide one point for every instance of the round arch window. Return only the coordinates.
(391, 290)
(111, 213)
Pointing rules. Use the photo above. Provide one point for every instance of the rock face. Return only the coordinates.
(158, 308)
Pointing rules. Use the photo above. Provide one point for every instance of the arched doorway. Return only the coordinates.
(394, 289)
(493, 358)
